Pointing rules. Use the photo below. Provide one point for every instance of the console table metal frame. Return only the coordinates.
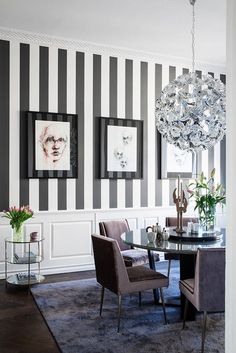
(9, 259)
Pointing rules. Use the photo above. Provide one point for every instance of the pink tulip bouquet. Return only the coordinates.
(18, 216)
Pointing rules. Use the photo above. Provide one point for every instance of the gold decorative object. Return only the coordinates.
(181, 205)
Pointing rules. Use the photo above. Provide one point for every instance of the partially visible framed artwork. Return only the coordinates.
(52, 145)
(175, 162)
(121, 148)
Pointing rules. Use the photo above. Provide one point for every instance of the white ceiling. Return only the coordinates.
(157, 26)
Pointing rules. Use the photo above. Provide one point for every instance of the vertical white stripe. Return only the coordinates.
(88, 132)
(71, 109)
(205, 162)
(179, 71)
(105, 112)
(14, 122)
(137, 116)
(165, 182)
(121, 114)
(230, 307)
(53, 107)
(151, 135)
(217, 161)
(34, 105)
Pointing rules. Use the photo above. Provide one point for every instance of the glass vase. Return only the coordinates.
(18, 232)
(207, 218)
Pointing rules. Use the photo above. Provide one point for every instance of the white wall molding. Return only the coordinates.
(94, 48)
(230, 307)
(67, 244)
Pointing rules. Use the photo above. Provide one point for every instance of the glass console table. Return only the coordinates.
(26, 253)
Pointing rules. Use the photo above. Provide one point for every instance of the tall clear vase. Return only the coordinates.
(18, 232)
(207, 219)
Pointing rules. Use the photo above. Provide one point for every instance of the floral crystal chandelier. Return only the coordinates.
(190, 112)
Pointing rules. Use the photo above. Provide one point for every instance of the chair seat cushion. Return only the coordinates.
(134, 257)
(142, 273)
(188, 284)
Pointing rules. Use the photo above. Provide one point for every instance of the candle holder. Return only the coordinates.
(181, 207)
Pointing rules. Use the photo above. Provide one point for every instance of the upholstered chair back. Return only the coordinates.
(114, 229)
(110, 267)
(172, 221)
(209, 283)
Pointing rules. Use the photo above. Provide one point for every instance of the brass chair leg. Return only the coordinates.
(204, 330)
(139, 298)
(163, 305)
(102, 297)
(185, 312)
(169, 264)
(119, 312)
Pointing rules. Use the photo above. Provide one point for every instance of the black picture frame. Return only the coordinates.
(135, 129)
(68, 123)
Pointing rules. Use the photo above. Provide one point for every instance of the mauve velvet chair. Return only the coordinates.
(206, 291)
(172, 222)
(112, 273)
(132, 257)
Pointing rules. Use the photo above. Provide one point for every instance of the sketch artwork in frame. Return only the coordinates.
(52, 145)
(121, 148)
(175, 162)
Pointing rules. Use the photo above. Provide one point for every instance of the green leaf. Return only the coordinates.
(213, 172)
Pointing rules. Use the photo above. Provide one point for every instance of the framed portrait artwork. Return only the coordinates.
(175, 162)
(121, 148)
(52, 145)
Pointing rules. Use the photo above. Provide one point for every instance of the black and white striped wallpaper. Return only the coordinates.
(35, 77)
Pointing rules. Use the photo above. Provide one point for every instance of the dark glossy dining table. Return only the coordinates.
(186, 249)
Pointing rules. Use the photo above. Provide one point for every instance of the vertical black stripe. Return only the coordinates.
(96, 114)
(62, 108)
(172, 76)
(113, 113)
(172, 73)
(80, 112)
(158, 88)
(4, 121)
(211, 160)
(129, 115)
(24, 105)
(144, 102)
(199, 154)
(223, 150)
(43, 106)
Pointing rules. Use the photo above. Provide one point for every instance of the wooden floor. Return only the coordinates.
(22, 328)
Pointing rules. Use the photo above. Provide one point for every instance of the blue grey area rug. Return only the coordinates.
(71, 310)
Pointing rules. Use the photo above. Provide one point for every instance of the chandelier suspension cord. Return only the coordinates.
(192, 2)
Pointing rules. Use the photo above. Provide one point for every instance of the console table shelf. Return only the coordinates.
(24, 254)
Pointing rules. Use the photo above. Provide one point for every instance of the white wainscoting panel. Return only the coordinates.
(33, 227)
(70, 239)
(133, 223)
(150, 221)
(67, 245)
(5, 231)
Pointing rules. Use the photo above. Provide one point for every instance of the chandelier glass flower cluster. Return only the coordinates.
(190, 112)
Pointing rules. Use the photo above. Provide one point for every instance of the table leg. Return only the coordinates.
(152, 266)
(187, 270)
